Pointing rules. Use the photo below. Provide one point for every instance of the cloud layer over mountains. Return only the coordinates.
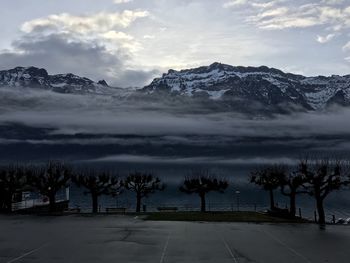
(104, 114)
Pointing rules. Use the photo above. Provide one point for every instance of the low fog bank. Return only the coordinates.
(116, 129)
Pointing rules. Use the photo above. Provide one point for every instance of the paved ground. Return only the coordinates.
(125, 239)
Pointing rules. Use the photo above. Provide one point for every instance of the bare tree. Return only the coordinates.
(12, 181)
(202, 182)
(321, 178)
(291, 186)
(50, 179)
(269, 178)
(143, 184)
(97, 184)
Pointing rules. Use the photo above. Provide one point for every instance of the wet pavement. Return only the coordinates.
(128, 239)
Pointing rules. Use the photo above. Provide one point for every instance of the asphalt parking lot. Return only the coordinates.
(126, 239)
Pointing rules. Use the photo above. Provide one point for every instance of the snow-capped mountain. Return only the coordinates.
(265, 86)
(216, 87)
(33, 77)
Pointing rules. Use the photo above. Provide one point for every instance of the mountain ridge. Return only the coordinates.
(33, 77)
(232, 88)
(268, 86)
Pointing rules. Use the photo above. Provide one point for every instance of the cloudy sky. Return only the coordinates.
(128, 42)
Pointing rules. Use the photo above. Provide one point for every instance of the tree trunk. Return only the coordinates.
(272, 200)
(138, 203)
(320, 211)
(52, 202)
(292, 209)
(203, 205)
(94, 203)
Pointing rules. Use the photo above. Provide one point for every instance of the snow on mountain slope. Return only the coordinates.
(321, 91)
(220, 86)
(262, 84)
(63, 83)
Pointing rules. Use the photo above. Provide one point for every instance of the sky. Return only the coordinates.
(129, 42)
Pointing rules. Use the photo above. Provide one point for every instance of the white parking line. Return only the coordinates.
(164, 249)
(26, 254)
(230, 251)
(287, 247)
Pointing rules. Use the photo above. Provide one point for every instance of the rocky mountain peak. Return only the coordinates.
(32, 77)
(255, 85)
(103, 83)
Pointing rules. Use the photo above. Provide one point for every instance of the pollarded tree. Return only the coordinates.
(202, 182)
(321, 178)
(142, 184)
(12, 180)
(291, 186)
(269, 178)
(98, 183)
(49, 179)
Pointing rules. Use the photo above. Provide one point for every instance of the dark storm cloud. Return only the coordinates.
(137, 78)
(58, 53)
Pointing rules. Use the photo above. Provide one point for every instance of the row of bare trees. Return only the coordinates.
(200, 182)
(317, 178)
(103, 183)
(52, 177)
